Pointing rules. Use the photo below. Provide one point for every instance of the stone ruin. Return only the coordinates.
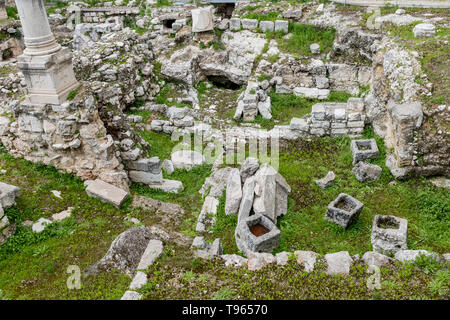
(389, 234)
(343, 210)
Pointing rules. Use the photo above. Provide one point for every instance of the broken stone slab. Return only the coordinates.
(281, 195)
(389, 234)
(424, 30)
(106, 192)
(187, 159)
(166, 185)
(234, 260)
(412, 255)
(338, 263)
(62, 215)
(446, 257)
(343, 210)
(139, 280)
(40, 225)
(365, 172)
(372, 258)
(176, 113)
(257, 261)
(307, 259)
(299, 124)
(257, 233)
(248, 168)
(248, 193)
(233, 192)
(125, 252)
(216, 248)
(153, 251)
(209, 208)
(327, 181)
(199, 243)
(312, 93)
(145, 177)
(131, 295)
(8, 195)
(364, 149)
(265, 189)
(264, 108)
(282, 258)
(7, 232)
(167, 166)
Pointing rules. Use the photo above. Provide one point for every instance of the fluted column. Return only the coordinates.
(3, 14)
(47, 66)
(38, 37)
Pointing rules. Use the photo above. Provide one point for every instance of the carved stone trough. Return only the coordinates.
(364, 149)
(389, 234)
(257, 233)
(344, 210)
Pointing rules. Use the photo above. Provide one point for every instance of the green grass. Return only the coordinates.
(287, 106)
(12, 12)
(177, 275)
(302, 37)
(427, 208)
(271, 16)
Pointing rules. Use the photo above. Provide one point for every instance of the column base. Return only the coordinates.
(49, 78)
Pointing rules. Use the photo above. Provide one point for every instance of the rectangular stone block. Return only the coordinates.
(299, 124)
(339, 132)
(282, 25)
(320, 124)
(145, 177)
(235, 23)
(266, 26)
(249, 24)
(355, 124)
(106, 192)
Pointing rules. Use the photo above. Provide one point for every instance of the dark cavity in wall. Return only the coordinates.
(168, 23)
(223, 82)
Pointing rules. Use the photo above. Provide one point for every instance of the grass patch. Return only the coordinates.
(303, 36)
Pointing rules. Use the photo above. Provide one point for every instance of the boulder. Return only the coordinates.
(8, 195)
(257, 261)
(125, 252)
(199, 243)
(307, 259)
(265, 108)
(365, 172)
(315, 48)
(233, 192)
(338, 263)
(412, 255)
(167, 166)
(282, 258)
(187, 159)
(372, 258)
